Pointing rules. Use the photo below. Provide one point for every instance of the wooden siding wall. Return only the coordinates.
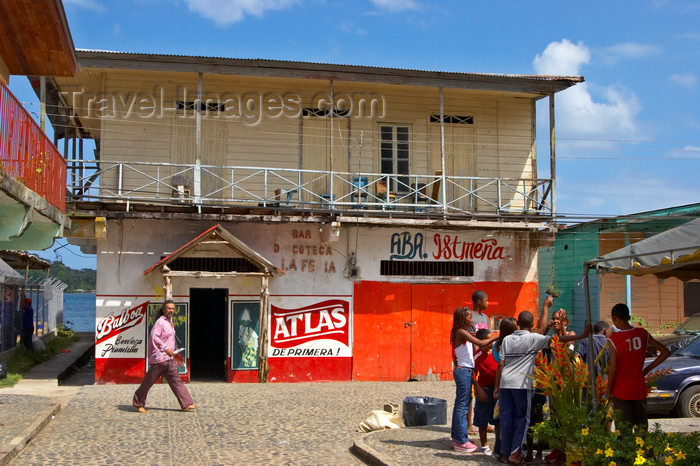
(654, 300)
(570, 251)
(503, 131)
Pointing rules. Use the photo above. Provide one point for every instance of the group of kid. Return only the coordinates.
(502, 370)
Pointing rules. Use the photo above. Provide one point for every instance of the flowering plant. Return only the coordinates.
(623, 446)
(563, 379)
(584, 433)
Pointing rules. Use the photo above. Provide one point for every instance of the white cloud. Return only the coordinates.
(88, 4)
(224, 12)
(688, 80)
(562, 58)
(626, 51)
(578, 112)
(395, 5)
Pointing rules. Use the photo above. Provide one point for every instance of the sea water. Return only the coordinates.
(79, 311)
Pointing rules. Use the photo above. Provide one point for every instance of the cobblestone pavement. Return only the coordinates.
(426, 445)
(17, 412)
(304, 423)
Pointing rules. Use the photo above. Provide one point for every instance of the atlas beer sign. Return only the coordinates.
(320, 329)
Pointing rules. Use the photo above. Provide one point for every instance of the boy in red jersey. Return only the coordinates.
(626, 369)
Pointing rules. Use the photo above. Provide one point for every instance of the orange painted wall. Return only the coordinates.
(385, 348)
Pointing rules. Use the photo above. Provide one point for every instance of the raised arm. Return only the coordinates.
(466, 336)
(544, 316)
(587, 329)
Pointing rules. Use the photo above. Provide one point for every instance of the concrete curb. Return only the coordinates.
(79, 361)
(12, 449)
(369, 455)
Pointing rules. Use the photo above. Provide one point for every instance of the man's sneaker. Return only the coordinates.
(467, 447)
(485, 450)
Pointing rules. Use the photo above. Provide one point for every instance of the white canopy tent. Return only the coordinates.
(672, 253)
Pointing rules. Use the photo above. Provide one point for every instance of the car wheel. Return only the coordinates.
(689, 402)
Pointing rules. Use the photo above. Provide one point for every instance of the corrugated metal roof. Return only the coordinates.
(87, 54)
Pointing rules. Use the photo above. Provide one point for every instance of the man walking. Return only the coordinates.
(161, 349)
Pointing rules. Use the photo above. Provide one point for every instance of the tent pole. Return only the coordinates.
(590, 356)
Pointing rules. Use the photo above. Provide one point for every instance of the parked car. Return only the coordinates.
(680, 390)
(680, 336)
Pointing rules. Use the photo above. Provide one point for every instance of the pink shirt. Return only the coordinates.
(162, 338)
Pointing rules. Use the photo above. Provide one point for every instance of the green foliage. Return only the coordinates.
(586, 437)
(77, 280)
(639, 321)
(669, 325)
(625, 446)
(23, 360)
(65, 330)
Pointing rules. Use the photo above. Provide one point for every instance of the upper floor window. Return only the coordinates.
(453, 119)
(206, 106)
(324, 112)
(394, 155)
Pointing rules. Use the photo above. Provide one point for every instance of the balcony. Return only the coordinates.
(277, 191)
(32, 180)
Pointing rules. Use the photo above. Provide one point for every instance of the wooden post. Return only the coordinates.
(552, 157)
(168, 285)
(442, 154)
(198, 145)
(263, 367)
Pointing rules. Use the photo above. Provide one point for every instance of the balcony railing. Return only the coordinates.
(27, 155)
(279, 188)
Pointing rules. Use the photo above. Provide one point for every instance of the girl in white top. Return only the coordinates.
(463, 356)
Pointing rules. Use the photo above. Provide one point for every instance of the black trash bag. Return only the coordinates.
(3, 370)
(424, 411)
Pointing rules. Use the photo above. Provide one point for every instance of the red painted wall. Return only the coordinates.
(402, 330)
(119, 370)
(309, 369)
(123, 370)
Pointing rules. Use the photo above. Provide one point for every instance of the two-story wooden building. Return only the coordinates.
(312, 221)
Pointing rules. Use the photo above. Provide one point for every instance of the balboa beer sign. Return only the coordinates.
(113, 338)
(319, 329)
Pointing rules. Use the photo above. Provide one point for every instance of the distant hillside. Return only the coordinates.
(77, 280)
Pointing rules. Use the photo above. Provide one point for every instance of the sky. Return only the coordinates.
(627, 139)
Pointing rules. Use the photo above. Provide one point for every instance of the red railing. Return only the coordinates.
(27, 154)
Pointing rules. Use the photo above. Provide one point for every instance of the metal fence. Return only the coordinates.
(47, 300)
(27, 154)
(209, 185)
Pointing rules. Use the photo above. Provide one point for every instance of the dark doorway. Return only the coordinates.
(208, 319)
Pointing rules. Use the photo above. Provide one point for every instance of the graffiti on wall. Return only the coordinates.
(407, 246)
(306, 254)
